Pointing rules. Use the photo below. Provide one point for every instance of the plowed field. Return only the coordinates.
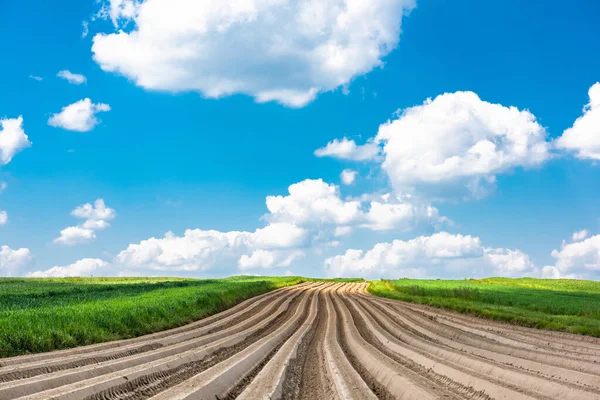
(319, 341)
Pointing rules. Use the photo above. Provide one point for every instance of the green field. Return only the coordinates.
(39, 315)
(48, 314)
(562, 305)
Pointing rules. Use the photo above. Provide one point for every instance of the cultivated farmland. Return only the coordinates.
(319, 340)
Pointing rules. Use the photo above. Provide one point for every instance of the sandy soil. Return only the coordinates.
(319, 341)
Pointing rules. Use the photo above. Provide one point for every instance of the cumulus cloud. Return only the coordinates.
(441, 254)
(36, 78)
(286, 51)
(84, 267)
(12, 139)
(3, 217)
(347, 149)
(583, 138)
(348, 176)
(452, 146)
(576, 260)
(268, 259)
(313, 201)
(580, 235)
(96, 218)
(11, 261)
(75, 79)
(308, 218)
(458, 139)
(79, 116)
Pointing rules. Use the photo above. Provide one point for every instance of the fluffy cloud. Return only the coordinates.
(84, 267)
(453, 145)
(308, 218)
(459, 139)
(583, 137)
(402, 215)
(286, 51)
(348, 176)
(75, 79)
(3, 217)
(96, 218)
(268, 259)
(195, 250)
(347, 149)
(79, 116)
(11, 261)
(315, 202)
(441, 254)
(576, 260)
(12, 139)
(580, 235)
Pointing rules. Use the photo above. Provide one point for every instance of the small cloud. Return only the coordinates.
(86, 29)
(79, 116)
(75, 79)
(348, 176)
(36, 78)
(579, 236)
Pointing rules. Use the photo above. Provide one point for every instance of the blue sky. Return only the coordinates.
(199, 141)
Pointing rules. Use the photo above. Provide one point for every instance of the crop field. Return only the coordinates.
(48, 314)
(562, 305)
(319, 340)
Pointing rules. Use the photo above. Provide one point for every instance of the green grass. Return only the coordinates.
(562, 305)
(39, 315)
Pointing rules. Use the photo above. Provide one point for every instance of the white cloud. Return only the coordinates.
(576, 260)
(347, 149)
(36, 78)
(580, 235)
(459, 139)
(315, 202)
(268, 259)
(79, 116)
(583, 137)
(96, 212)
(12, 138)
(75, 79)
(286, 51)
(348, 176)
(279, 235)
(3, 217)
(403, 215)
(84, 267)
(453, 145)
(73, 235)
(11, 261)
(3, 186)
(85, 29)
(342, 231)
(196, 250)
(311, 216)
(96, 218)
(441, 254)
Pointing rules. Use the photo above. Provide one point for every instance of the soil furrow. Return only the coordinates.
(149, 385)
(319, 341)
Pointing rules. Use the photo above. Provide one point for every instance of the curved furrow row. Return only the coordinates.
(534, 339)
(319, 341)
(104, 375)
(224, 318)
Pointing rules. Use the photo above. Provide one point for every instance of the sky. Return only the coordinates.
(380, 138)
